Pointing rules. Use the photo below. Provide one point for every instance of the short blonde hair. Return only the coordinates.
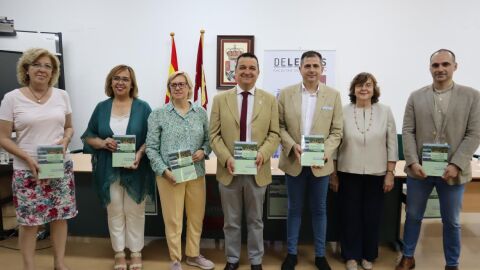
(187, 78)
(28, 58)
(108, 81)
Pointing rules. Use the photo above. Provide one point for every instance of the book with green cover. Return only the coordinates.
(50, 161)
(125, 154)
(313, 150)
(182, 166)
(435, 158)
(245, 154)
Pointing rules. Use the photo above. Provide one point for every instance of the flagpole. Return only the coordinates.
(200, 89)
(202, 31)
(172, 34)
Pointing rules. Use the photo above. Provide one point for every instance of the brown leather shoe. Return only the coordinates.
(451, 267)
(406, 263)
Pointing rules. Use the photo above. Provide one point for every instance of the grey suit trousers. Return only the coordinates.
(243, 191)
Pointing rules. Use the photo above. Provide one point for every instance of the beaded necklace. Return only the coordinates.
(369, 122)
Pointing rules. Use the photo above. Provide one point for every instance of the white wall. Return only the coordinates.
(391, 39)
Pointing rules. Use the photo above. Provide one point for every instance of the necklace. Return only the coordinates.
(369, 122)
(39, 99)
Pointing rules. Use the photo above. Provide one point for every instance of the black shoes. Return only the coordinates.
(234, 266)
(322, 264)
(231, 266)
(289, 262)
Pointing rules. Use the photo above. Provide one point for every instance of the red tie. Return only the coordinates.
(243, 117)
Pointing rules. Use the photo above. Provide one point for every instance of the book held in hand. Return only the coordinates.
(245, 154)
(125, 154)
(435, 158)
(181, 165)
(313, 150)
(50, 161)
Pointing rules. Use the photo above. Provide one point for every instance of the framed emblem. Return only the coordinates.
(228, 49)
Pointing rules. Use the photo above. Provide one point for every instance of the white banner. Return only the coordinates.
(281, 68)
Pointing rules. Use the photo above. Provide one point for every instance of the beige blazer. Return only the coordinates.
(327, 121)
(461, 128)
(225, 130)
(379, 143)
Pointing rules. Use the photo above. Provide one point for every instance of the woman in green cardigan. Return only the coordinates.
(121, 190)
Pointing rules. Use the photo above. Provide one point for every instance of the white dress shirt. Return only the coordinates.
(309, 100)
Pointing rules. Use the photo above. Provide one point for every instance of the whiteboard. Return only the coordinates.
(25, 40)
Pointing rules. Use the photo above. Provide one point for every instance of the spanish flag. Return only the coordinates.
(200, 83)
(173, 65)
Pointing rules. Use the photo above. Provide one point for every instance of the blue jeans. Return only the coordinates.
(317, 188)
(450, 197)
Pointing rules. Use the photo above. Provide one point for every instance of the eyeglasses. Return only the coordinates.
(123, 79)
(39, 66)
(180, 85)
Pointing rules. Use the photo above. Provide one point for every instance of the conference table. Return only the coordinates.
(92, 217)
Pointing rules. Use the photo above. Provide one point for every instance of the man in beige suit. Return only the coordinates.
(446, 113)
(308, 108)
(244, 113)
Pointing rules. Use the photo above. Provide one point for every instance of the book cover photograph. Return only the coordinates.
(181, 165)
(313, 149)
(125, 154)
(245, 154)
(50, 161)
(435, 158)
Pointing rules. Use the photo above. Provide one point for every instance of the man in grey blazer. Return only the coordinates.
(308, 108)
(446, 113)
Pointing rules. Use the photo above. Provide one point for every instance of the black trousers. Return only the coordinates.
(361, 205)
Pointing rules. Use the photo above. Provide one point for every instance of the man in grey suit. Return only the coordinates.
(442, 113)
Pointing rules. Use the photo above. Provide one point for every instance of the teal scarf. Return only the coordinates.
(138, 183)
